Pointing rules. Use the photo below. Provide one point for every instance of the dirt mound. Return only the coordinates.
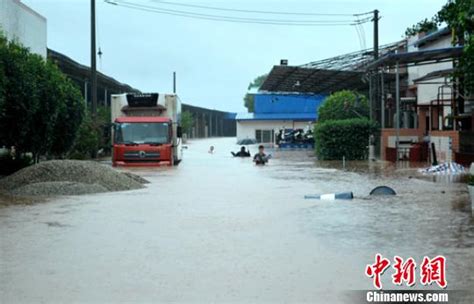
(69, 177)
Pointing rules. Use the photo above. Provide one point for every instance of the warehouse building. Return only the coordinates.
(276, 111)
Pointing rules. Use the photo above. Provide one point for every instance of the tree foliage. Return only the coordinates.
(187, 122)
(249, 98)
(40, 109)
(343, 127)
(344, 105)
(347, 138)
(424, 26)
(88, 139)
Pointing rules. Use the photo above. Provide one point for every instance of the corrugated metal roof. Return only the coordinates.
(311, 80)
(418, 57)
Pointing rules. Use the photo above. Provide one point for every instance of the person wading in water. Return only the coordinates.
(261, 158)
(241, 153)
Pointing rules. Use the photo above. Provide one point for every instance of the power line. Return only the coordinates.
(250, 11)
(229, 17)
(234, 19)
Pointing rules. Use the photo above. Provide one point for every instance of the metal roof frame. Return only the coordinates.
(294, 79)
(417, 57)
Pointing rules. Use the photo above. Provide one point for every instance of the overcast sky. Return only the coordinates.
(214, 61)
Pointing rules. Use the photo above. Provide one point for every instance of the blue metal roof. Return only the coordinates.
(287, 103)
(277, 116)
(298, 107)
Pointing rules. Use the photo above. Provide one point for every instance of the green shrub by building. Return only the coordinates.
(343, 127)
(347, 138)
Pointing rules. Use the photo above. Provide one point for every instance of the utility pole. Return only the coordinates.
(375, 89)
(397, 102)
(174, 82)
(376, 34)
(93, 62)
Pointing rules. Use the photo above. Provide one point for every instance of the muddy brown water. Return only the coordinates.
(219, 229)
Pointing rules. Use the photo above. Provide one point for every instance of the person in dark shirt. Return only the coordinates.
(260, 158)
(241, 153)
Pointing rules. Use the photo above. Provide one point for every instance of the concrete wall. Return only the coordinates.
(210, 123)
(21, 23)
(246, 128)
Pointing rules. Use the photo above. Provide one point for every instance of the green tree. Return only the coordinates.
(40, 109)
(249, 98)
(343, 105)
(87, 141)
(70, 116)
(20, 96)
(424, 26)
(187, 122)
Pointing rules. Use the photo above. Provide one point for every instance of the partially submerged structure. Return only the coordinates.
(290, 96)
(277, 111)
(427, 108)
(413, 95)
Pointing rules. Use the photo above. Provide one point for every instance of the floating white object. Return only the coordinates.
(445, 168)
(332, 196)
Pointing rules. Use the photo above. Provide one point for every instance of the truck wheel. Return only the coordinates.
(176, 162)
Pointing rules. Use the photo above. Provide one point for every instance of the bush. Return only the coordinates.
(87, 141)
(344, 105)
(347, 138)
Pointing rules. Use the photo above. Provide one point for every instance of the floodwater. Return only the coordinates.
(218, 229)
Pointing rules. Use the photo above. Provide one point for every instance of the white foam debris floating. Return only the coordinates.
(450, 168)
(332, 196)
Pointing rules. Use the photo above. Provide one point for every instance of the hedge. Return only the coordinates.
(347, 138)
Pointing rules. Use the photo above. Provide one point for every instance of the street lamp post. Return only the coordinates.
(93, 62)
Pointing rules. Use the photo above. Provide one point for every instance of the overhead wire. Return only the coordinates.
(234, 19)
(248, 11)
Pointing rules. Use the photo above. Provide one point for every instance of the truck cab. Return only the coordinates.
(146, 132)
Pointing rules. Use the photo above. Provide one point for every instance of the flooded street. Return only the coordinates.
(218, 229)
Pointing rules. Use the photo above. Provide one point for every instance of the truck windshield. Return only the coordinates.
(142, 133)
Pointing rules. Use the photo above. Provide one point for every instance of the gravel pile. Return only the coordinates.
(58, 188)
(69, 177)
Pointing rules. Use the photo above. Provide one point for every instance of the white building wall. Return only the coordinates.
(247, 128)
(21, 23)
(428, 92)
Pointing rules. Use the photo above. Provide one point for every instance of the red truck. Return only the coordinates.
(146, 129)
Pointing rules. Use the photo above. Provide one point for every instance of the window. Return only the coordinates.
(139, 133)
(265, 136)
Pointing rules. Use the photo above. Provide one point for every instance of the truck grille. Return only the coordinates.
(141, 155)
